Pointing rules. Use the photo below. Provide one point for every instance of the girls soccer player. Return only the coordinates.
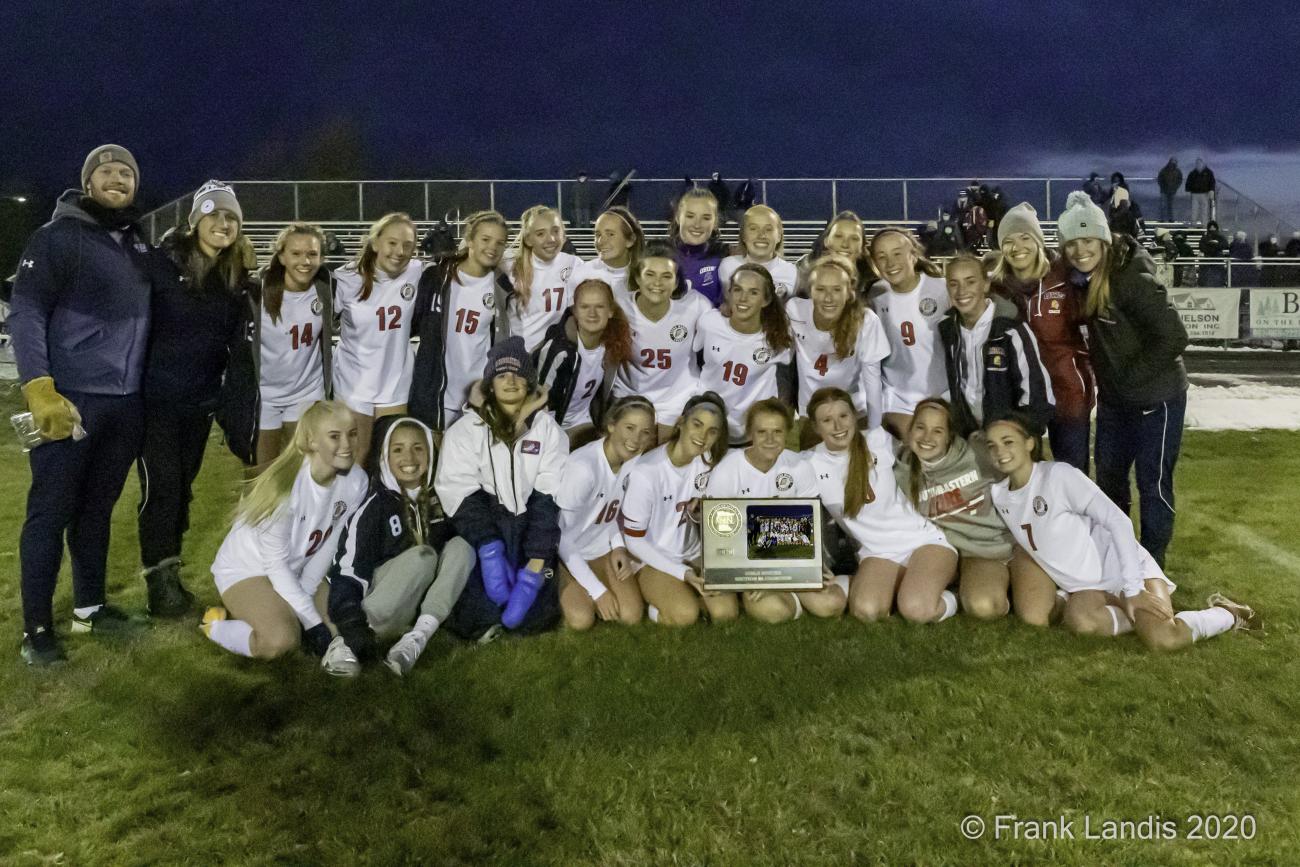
(541, 274)
(746, 352)
(844, 236)
(1025, 274)
(1085, 543)
(663, 316)
(269, 569)
(456, 320)
(768, 469)
(696, 237)
(947, 480)
(200, 298)
(374, 295)
(900, 553)
(620, 241)
(660, 507)
(500, 470)
(991, 358)
(1137, 343)
(595, 575)
(839, 342)
(400, 566)
(577, 360)
(910, 299)
(295, 319)
(761, 236)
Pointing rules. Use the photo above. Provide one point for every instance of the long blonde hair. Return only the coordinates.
(779, 248)
(265, 494)
(1002, 272)
(365, 261)
(1098, 300)
(273, 274)
(521, 273)
(923, 264)
(844, 333)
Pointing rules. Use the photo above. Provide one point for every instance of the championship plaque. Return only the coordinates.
(762, 544)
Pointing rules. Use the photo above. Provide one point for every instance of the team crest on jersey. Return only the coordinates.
(408, 291)
(784, 481)
(564, 273)
(929, 306)
(530, 447)
(762, 356)
(677, 333)
(489, 300)
(315, 306)
(339, 508)
(782, 289)
(1040, 506)
(997, 358)
(701, 480)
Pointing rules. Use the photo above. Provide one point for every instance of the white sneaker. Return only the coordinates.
(339, 660)
(402, 655)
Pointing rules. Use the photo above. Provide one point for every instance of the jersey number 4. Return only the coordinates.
(389, 317)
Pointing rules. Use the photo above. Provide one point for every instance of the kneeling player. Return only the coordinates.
(768, 469)
(1085, 543)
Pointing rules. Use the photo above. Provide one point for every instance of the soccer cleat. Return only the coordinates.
(211, 616)
(41, 648)
(167, 595)
(402, 655)
(1243, 616)
(339, 660)
(104, 620)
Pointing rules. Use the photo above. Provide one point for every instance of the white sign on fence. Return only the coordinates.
(1208, 314)
(1275, 313)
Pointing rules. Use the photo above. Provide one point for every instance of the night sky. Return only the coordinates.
(242, 90)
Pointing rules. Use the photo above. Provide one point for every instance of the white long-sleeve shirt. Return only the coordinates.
(656, 511)
(589, 499)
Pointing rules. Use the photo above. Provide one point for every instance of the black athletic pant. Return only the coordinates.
(175, 438)
(74, 488)
(475, 612)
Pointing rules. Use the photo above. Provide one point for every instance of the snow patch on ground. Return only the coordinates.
(1244, 406)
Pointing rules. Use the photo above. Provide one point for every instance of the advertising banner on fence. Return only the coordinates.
(1208, 314)
(1275, 313)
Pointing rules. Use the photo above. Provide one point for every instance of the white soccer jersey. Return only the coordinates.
(596, 269)
(471, 310)
(888, 527)
(592, 364)
(662, 368)
(550, 295)
(1074, 532)
(295, 546)
(374, 359)
(790, 476)
(741, 368)
(655, 515)
(290, 366)
(589, 498)
(784, 273)
(914, 369)
(817, 364)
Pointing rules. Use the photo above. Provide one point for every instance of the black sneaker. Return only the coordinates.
(105, 620)
(167, 595)
(41, 647)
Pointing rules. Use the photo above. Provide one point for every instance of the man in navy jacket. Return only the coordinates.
(80, 325)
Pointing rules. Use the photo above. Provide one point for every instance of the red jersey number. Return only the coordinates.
(466, 321)
(300, 336)
(610, 513)
(316, 539)
(735, 373)
(389, 317)
(660, 358)
(554, 298)
(821, 365)
(1029, 533)
(908, 330)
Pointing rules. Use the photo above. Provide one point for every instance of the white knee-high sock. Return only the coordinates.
(1208, 622)
(233, 635)
(949, 600)
(1120, 620)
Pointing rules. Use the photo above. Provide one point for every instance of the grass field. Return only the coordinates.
(811, 743)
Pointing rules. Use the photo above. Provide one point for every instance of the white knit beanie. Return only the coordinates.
(1082, 219)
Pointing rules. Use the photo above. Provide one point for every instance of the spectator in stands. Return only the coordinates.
(745, 195)
(580, 197)
(1241, 250)
(1289, 275)
(1137, 341)
(722, 193)
(1169, 179)
(619, 193)
(1184, 275)
(1214, 246)
(80, 325)
(1293, 245)
(1270, 275)
(1201, 184)
(1094, 188)
(946, 238)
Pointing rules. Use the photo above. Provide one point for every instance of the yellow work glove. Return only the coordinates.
(53, 413)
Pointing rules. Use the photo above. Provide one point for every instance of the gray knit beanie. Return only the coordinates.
(109, 153)
(510, 356)
(1082, 219)
(214, 196)
(1021, 218)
